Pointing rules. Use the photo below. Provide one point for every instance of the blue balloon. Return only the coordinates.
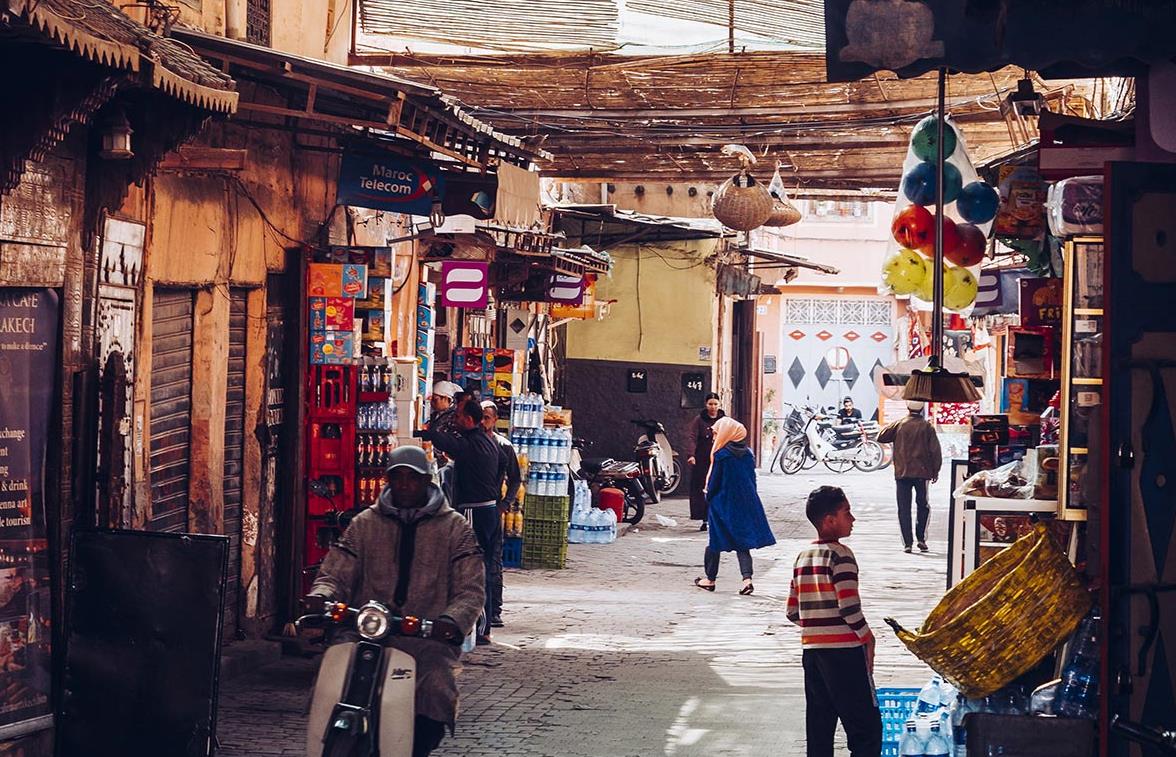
(977, 203)
(919, 183)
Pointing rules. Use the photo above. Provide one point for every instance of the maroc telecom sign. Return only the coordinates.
(388, 182)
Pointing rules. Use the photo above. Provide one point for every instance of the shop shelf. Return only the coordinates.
(546, 508)
(544, 555)
(897, 705)
(544, 532)
(512, 552)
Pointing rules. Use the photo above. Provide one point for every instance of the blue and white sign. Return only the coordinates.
(388, 182)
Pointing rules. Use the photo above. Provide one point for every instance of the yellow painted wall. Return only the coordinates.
(664, 309)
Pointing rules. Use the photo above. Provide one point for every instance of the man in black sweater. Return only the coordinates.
(477, 487)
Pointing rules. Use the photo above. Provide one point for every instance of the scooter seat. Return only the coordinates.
(593, 465)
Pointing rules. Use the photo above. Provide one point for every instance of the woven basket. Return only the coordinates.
(742, 203)
(784, 213)
(1004, 618)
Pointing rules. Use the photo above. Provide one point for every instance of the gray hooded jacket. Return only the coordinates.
(448, 580)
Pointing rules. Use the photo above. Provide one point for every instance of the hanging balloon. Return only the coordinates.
(959, 288)
(977, 202)
(905, 271)
(913, 227)
(925, 138)
(919, 183)
(969, 246)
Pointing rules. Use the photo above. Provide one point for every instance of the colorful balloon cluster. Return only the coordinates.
(969, 208)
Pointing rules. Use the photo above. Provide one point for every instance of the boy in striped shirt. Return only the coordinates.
(838, 646)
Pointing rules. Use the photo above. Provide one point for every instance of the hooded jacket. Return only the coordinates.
(447, 580)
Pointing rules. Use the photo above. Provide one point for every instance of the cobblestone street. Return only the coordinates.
(620, 655)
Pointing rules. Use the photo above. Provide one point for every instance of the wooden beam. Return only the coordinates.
(196, 158)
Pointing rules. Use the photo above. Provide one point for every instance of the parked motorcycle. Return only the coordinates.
(364, 696)
(839, 446)
(658, 457)
(792, 431)
(605, 472)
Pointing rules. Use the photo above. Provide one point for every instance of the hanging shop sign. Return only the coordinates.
(566, 290)
(28, 354)
(470, 194)
(389, 182)
(1060, 38)
(465, 284)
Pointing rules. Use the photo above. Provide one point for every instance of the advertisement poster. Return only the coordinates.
(388, 182)
(1041, 302)
(28, 355)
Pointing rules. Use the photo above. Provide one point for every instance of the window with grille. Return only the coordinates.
(257, 22)
(839, 210)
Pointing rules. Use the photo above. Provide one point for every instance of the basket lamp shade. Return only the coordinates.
(934, 384)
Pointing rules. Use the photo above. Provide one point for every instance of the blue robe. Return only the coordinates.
(735, 512)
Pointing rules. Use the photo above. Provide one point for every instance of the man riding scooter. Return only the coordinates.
(415, 554)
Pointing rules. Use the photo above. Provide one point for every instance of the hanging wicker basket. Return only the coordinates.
(1001, 620)
(784, 213)
(742, 203)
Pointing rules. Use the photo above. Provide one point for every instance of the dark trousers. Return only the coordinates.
(488, 530)
(710, 563)
(919, 487)
(837, 686)
(426, 736)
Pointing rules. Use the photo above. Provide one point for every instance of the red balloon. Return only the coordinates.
(951, 238)
(914, 228)
(969, 247)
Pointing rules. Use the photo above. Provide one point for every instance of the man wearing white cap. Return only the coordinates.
(917, 459)
(441, 402)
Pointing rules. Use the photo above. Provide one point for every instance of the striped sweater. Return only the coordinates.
(824, 599)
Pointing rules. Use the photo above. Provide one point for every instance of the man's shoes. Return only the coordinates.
(923, 546)
(484, 640)
(496, 621)
(703, 526)
(907, 549)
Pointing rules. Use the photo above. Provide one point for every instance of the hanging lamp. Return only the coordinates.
(934, 383)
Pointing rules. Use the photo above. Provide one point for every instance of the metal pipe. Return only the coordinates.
(937, 281)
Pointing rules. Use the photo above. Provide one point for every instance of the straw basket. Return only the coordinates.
(784, 213)
(1001, 620)
(742, 203)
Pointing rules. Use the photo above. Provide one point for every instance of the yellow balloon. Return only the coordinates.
(904, 271)
(959, 288)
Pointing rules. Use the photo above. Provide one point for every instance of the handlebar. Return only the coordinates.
(375, 622)
(1164, 740)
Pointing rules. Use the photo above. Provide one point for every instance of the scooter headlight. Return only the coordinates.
(372, 621)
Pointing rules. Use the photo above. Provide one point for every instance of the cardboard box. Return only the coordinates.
(503, 384)
(324, 280)
(331, 313)
(1024, 435)
(374, 326)
(332, 347)
(379, 294)
(354, 280)
(470, 359)
(504, 361)
(404, 378)
(990, 429)
(426, 317)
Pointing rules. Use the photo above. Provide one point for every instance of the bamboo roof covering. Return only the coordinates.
(664, 118)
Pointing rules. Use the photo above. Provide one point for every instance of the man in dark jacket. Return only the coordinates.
(510, 478)
(476, 484)
(411, 533)
(917, 459)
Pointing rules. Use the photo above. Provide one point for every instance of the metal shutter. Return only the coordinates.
(171, 407)
(234, 453)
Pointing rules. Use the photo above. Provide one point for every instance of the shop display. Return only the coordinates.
(1075, 206)
(969, 208)
(1021, 212)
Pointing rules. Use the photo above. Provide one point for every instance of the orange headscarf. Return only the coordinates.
(726, 430)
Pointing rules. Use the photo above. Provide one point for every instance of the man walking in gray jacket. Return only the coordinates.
(917, 459)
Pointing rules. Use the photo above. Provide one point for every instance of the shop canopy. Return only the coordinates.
(605, 226)
(1057, 38)
(770, 259)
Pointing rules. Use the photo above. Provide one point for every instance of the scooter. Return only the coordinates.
(605, 472)
(663, 466)
(364, 697)
(839, 446)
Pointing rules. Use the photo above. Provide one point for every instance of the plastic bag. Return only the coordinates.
(969, 206)
(1006, 482)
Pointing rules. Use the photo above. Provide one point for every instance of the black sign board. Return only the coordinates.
(638, 381)
(694, 388)
(1058, 38)
(143, 651)
(28, 362)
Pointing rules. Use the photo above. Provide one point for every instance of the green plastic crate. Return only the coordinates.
(546, 508)
(538, 555)
(544, 532)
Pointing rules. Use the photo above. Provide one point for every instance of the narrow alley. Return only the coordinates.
(618, 655)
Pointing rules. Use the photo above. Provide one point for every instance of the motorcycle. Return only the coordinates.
(364, 697)
(604, 472)
(657, 456)
(839, 446)
(792, 431)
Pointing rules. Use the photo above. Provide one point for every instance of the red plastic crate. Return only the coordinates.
(331, 392)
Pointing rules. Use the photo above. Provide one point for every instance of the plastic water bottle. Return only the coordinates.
(958, 736)
(611, 521)
(911, 743)
(937, 743)
(576, 527)
(1078, 694)
(929, 696)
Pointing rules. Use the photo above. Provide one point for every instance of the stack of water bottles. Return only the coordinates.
(550, 446)
(526, 411)
(928, 732)
(591, 525)
(545, 480)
